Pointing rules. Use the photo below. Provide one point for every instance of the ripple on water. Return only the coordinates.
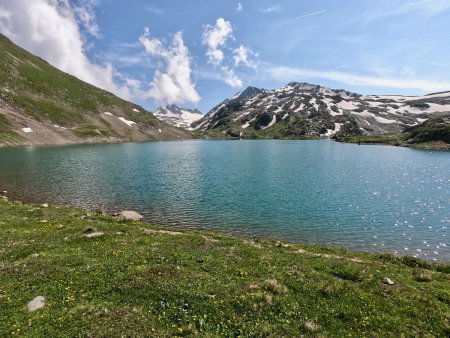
(365, 198)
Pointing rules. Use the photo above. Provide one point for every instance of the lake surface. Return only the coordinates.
(371, 198)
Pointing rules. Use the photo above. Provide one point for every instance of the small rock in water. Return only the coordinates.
(45, 205)
(388, 281)
(130, 215)
(37, 303)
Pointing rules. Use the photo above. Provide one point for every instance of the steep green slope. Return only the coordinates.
(60, 108)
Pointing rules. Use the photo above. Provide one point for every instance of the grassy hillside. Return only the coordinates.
(433, 134)
(103, 277)
(32, 92)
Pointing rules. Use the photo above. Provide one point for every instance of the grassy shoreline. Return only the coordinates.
(396, 140)
(134, 279)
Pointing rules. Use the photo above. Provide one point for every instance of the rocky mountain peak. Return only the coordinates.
(249, 92)
(176, 116)
(301, 109)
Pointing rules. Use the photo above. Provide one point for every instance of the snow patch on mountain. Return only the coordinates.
(179, 117)
(304, 109)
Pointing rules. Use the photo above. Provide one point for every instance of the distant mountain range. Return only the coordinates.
(300, 110)
(41, 105)
(179, 117)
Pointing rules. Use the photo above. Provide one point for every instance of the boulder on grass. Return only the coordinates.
(130, 215)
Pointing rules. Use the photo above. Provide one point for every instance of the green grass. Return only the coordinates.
(48, 94)
(396, 139)
(44, 110)
(137, 281)
(85, 131)
(7, 136)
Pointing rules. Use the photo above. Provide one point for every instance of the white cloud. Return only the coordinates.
(425, 8)
(174, 85)
(239, 7)
(215, 37)
(271, 9)
(4, 14)
(85, 15)
(294, 74)
(50, 29)
(231, 78)
(241, 56)
(430, 7)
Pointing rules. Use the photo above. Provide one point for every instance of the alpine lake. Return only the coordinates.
(364, 198)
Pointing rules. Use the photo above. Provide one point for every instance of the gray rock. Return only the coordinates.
(94, 234)
(130, 215)
(388, 281)
(36, 304)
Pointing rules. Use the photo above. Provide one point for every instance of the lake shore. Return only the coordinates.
(102, 276)
(390, 140)
(393, 140)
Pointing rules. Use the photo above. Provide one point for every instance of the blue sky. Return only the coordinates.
(196, 53)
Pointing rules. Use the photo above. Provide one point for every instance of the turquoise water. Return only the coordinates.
(371, 198)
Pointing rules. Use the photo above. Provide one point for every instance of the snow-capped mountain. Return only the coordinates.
(222, 109)
(303, 109)
(179, 117)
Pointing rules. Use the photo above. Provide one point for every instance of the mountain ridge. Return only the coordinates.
(300, 109)
(177, 116)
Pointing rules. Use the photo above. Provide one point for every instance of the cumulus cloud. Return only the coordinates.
(174, 85)
(216, 37)
(85, 15)
(239, 7)
(231, 78)
(50, 29)
(242, 56)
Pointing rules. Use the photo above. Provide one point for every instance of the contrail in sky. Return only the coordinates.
(310, 14)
